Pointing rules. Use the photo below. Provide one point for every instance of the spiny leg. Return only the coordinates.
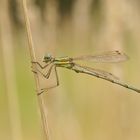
(57, 83)
(47, 75)
(42, 67)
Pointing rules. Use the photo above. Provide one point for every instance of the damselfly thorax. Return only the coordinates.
(64, 62)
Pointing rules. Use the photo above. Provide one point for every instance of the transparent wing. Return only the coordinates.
(111, 56)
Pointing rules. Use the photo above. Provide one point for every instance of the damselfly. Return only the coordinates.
(69, 63)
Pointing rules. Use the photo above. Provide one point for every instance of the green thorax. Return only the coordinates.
(63, 62)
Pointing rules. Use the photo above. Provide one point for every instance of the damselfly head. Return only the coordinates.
(47, 58)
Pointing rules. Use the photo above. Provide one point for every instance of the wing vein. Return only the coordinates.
(112, 56)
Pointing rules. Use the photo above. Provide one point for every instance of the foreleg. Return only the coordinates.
(57, 83)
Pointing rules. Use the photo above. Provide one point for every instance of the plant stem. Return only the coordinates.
(33, 58)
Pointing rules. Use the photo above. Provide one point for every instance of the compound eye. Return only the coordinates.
(47, 58)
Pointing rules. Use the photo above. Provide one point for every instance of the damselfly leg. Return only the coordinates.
(42, 67)
(57, 83)
(47, 75)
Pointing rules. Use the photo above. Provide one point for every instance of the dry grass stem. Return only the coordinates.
(33, 58)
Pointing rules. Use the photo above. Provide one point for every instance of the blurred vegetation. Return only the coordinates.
(82, 107)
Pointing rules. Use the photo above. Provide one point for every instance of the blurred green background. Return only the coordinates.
(82, 107)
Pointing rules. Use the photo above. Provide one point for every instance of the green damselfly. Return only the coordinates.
(69, 63)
